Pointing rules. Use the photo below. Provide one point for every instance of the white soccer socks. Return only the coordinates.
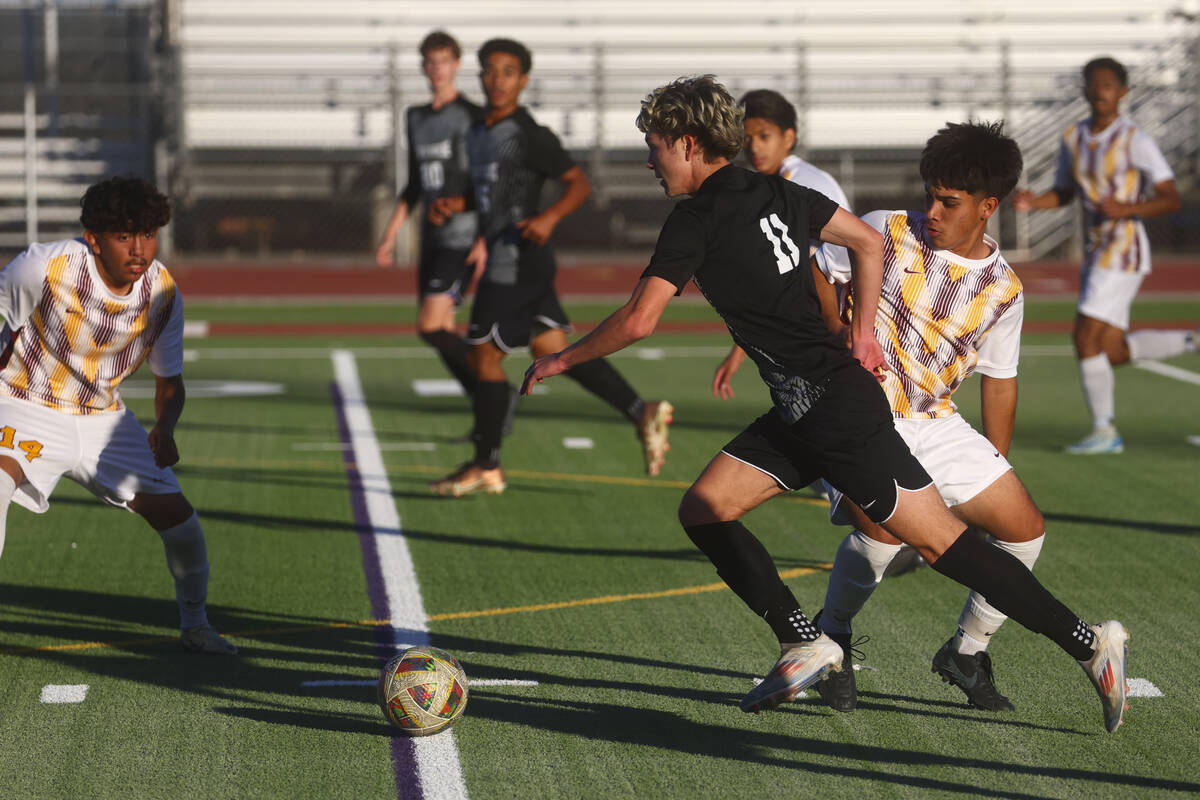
(1160, 344)
(857, 570)
(8, 487)
(187, 558)
(979, 619)
(1097, 375)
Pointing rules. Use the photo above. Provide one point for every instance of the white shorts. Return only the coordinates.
(105, 453)
(961, 461)
(1107, 294)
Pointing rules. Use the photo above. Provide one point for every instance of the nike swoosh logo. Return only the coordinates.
(997, 455)
(914, 271)
(865, 506)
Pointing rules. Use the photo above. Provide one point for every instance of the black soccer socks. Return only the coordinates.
(1010, 587)
(746, 566)
(601, 379)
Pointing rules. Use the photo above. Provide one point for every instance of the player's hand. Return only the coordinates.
(477, 259)
(537, 229)
(542, 368)
(868, 352)
(443, 208)
(162, 445)
(722, 388)
(1112, 209)
(1022, 200)
(383, 254)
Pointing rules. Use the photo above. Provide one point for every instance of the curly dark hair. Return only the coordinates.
(510, 46)
(125, 205)
(972, 157)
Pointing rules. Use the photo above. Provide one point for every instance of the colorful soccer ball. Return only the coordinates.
(422, 690)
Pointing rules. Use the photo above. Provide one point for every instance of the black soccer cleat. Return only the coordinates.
(972, 674)
(838, 689)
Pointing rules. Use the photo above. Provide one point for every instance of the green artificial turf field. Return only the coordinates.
(606, 659)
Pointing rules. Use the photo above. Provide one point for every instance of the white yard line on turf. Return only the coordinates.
(1169, 371)
(437, 759)
(64, 693)
(1140, 687)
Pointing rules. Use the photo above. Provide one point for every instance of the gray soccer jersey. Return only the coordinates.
(510, 161)
(437, 167)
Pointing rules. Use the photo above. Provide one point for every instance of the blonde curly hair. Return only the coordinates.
(698, 107)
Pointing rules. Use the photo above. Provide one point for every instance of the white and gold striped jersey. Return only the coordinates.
(1117, 162)
(74, 340)
(941, 316)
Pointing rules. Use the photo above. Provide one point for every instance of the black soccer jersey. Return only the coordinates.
(438, 167)
(743, 238)
(510, 161)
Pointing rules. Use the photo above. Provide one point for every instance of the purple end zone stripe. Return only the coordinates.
(408, 785)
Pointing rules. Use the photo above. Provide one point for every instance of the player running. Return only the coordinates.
(80, 316)
(516, 305)
(735, 237)
(1108, 161)
(437, 167)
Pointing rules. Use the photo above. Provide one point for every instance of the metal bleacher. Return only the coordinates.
(290, 108)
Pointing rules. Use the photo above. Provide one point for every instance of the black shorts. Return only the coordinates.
(847, 438)
(443, 271)
(510, 316)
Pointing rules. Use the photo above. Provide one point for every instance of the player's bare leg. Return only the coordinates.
(710, 514)
(176, 522)
(435, 327)
(11, 476)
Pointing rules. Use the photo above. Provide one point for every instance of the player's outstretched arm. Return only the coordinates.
(633, 321)
(998, 410)
(169, 397)
(576, 189)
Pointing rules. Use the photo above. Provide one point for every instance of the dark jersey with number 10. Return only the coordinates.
(437, 167)
(743, 238)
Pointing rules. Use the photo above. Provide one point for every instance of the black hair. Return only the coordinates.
(124, 205)
(770, 105)
(440, 40)
(1109, 63)
(510, 46)
(972, 157)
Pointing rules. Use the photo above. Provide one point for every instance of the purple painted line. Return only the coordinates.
(408, 784)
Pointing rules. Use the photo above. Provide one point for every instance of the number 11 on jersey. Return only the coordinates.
(777, 235)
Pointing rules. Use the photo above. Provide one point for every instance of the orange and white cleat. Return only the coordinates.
(799, 666)
(469, 479)
(652, 432)
(1106, 669)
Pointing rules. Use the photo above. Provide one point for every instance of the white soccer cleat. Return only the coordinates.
(799, 666)
(205, 639)
(1101, 441)
(1106, 669)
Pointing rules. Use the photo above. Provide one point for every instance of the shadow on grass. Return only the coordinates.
(280, 651)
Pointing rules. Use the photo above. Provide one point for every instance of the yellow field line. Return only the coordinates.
(431, 469)
(367, 623)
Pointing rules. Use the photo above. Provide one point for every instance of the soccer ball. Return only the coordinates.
(422, 690)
